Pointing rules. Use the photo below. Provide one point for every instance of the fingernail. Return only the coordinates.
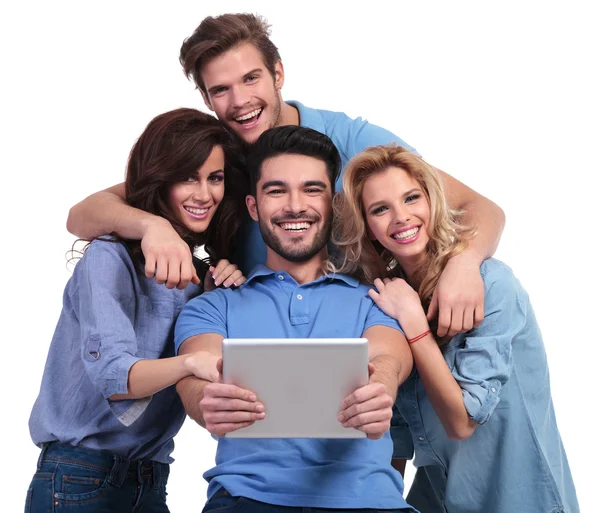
(260, 408)
(252, 397)
(340, 417)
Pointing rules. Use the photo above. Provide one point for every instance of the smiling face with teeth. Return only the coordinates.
(293, 208)
(242, 92)
(397, 213)
(195, 201)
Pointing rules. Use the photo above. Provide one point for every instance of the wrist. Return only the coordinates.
(150, 222)
(469, 257)
(414, 329)
(185, 365)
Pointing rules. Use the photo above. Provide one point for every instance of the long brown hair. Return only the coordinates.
(368, 259)
(171, 149)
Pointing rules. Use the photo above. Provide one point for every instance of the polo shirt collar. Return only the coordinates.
(262, 270)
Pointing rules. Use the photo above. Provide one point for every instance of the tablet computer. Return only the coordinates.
(301, 382)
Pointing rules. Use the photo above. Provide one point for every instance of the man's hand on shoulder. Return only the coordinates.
(458, 298)
(168, 257)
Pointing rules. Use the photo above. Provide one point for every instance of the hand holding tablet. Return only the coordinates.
(302, 384)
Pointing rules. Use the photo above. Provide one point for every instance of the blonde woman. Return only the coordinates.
(478, 405)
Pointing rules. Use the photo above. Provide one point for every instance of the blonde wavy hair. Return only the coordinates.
(367, 259)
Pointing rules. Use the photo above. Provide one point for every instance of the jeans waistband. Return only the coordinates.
(118, 467)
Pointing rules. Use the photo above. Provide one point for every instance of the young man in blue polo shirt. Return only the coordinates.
(292, 174)
(239, 73)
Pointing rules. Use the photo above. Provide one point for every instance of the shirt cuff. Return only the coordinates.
(117, 382)
(481, 399)
(196, 331)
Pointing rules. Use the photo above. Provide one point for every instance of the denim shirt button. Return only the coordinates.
(494, 389)
(421, 438)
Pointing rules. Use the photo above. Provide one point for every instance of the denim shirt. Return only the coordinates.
(112, 317)
(515, 460)
(310, 472)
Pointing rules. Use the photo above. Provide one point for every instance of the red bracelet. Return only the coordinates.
(418, 337)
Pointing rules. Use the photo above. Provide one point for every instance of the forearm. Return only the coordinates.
(478, 212)
(191, 392)
(442, 389)
(106, 212)
(147, 377)
(389, 372)
(390, 356)
(488, 220)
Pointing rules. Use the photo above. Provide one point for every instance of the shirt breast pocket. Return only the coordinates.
(154, 326)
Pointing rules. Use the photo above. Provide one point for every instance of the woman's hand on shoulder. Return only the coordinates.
(225, 274)
(399, 300)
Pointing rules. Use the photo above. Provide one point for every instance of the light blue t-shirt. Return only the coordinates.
(326, 473)
(112, 317)
(350, 136)
(515, 460)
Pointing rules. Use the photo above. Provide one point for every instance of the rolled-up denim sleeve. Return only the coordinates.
(482, 364)
(106, 304)
(203, 314)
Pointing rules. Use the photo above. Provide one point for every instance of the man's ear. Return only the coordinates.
(206, 100)
(251, 205)
(279, 75)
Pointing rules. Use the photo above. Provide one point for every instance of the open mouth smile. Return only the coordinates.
(295, 227)
(197, 213)
(406, 236)
(250, 119)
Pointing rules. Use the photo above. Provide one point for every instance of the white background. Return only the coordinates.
(502, 96)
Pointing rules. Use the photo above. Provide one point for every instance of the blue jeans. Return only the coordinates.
(222, 502)
(75, 479)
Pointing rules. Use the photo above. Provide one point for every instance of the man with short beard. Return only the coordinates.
(239, 73)
(292, 175)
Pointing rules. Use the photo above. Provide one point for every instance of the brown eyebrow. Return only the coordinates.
(256, 71)
(379, 203)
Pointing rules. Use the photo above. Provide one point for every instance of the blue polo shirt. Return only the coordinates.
(350, 136)
(325, 473)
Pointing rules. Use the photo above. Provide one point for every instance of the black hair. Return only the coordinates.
(292, 140)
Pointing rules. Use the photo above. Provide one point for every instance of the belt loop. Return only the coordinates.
(118, 471)
(156, 474)
(42, 454)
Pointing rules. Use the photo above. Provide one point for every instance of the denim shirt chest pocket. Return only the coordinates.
(154, 326)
